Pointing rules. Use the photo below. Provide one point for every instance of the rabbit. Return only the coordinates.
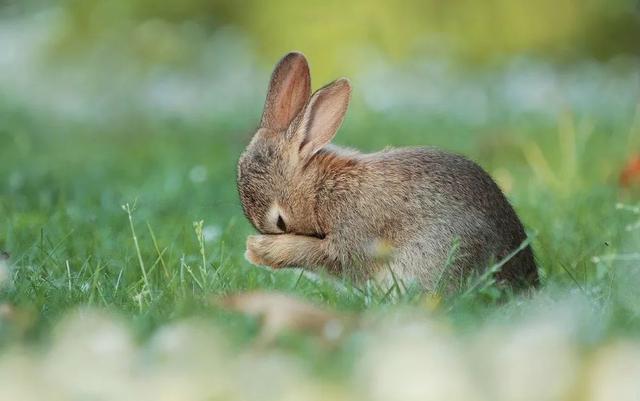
(414, 214)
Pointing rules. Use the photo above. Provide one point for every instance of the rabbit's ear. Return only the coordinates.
(289, 91)
(323, 116)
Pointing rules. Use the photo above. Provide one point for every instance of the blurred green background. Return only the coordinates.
(204, 59)
(340, 33)
(150, 102)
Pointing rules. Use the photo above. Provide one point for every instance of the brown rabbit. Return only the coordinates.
(399, 211)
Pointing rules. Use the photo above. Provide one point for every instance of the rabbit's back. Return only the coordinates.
(439, 200)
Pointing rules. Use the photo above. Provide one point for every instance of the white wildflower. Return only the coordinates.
(211, 233)
(91, 357)
(615, 374)
(416, 363)
(198, 174)
(516, 361)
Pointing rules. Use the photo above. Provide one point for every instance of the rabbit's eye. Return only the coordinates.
(281, 224)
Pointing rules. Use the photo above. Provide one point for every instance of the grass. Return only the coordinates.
(141, 217)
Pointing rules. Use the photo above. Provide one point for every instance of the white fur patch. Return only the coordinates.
(272, 218)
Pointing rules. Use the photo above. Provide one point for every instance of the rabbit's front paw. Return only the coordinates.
(262, 250)
(255, 251)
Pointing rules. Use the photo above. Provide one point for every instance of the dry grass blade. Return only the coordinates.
(280, 313)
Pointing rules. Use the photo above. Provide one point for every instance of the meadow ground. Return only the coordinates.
(140, 218)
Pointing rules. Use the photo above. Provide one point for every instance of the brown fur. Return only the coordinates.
(364, 215)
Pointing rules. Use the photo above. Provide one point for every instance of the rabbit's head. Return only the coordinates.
(275, 172)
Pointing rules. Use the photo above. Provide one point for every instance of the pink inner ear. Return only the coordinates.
(324, 115)
(294, 99)
(289, 90)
